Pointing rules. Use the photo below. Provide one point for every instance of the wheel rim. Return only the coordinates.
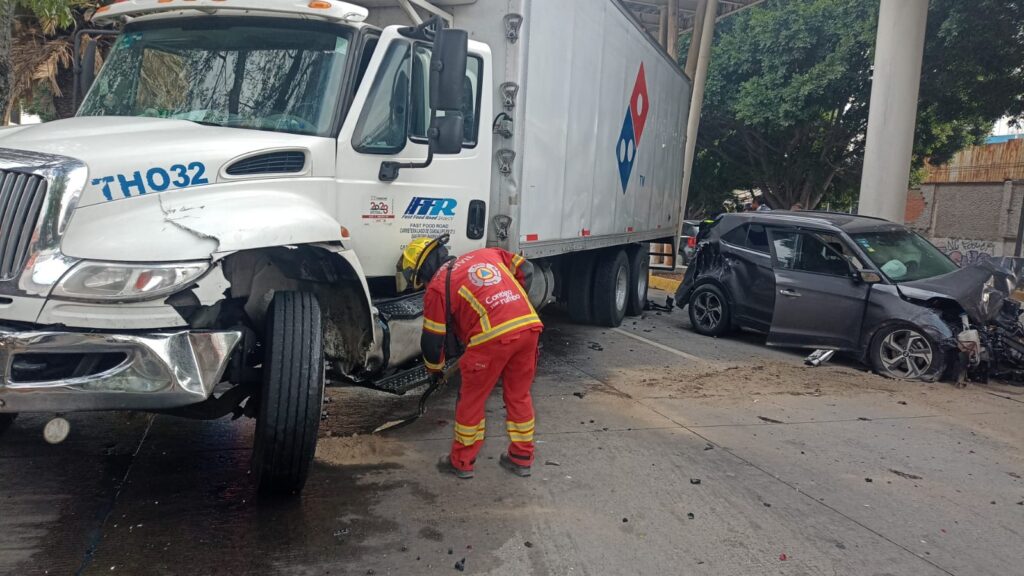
(906, 354)
(707, 310)
(621, 288)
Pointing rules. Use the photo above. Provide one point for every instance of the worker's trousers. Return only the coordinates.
(513, 358)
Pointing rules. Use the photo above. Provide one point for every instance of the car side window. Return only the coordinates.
(737, 236)
(757, 239)
(807, 252)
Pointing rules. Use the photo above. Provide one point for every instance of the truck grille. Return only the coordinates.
(21, 201)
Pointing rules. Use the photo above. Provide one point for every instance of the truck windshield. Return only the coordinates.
(279, 76)
(904, 256)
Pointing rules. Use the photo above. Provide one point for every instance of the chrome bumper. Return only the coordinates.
(159, 370)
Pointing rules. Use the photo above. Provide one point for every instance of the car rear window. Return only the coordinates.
(750, 236)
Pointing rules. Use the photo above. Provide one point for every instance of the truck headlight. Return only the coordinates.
(127, 282)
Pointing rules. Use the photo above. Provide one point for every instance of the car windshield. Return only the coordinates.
(904, 256)
(279, 76)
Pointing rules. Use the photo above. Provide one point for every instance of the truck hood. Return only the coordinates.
(980, 289)
(129, 157)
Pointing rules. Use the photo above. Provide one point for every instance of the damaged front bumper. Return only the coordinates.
(44, 371)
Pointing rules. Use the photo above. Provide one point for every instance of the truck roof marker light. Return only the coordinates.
(320, 5)
(532, 237)
(345, 233)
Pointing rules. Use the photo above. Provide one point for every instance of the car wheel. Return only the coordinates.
(5, 421)
(639, 278)
(709, 311)
(291, 397)
(904, 352)
(611, 288)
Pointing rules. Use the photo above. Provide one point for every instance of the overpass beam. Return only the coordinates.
(892, 117)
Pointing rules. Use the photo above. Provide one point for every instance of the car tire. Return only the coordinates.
(292, 392)
(905, 352)
(710, 314)
(639, 279)
(6, 420)
(579, 296)
(611, 288)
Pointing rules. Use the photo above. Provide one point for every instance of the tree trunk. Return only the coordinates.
(6, 29)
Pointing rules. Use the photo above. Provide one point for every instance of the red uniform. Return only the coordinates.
(493, 318)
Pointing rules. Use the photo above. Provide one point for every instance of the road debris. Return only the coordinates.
(905, 475)
(770, 420)
(528, 544)
(551, 463)
(461, 565)
(690, 516)
(709, 447)
(783, 557)
(868, 480)
(579, 395)
(694, 481)
(595, 346)
(819, 357)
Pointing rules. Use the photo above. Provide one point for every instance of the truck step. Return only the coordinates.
(404, 381)
(404, 308)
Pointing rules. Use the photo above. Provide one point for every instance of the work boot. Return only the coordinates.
(445, 466)
(517, 469)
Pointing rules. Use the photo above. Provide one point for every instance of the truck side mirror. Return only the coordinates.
(447, 97)
(88, 74)
(447, 90)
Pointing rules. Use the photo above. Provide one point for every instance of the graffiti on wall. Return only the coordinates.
(966, 252)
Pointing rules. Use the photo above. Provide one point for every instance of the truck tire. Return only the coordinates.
(5, 421)
(292, 394)
(579, 285)
(611, 288)
(639, 279)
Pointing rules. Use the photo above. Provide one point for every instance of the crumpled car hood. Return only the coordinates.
(980, 288)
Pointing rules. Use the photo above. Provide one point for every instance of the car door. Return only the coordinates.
(752, 281)
(818, 303)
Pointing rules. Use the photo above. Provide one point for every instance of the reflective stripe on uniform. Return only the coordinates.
(520, 431)
(432, 366)
(517, 261)
(435, 327)
(469, 435)
(485, 319)
(505, 328)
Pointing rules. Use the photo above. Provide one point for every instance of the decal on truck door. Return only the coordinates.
(633, 128)
(429, 217)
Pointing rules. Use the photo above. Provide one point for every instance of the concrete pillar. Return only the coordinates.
(672, 29)
(892, 117)
(695, 37)
(700, 78)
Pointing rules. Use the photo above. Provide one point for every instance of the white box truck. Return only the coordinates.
(228, 208)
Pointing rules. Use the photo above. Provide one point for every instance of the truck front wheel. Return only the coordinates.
(292, 393)
(611, 288)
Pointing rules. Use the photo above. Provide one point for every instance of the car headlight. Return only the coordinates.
(110, 281)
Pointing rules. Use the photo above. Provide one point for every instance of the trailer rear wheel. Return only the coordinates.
(579, 295)
(291, 398)
(639, 276)
(611, 288)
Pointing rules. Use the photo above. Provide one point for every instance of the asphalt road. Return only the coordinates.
(660, 452)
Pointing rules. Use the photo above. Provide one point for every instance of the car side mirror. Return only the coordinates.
(867, 277)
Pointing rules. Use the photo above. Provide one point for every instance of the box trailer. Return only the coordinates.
(229, 205)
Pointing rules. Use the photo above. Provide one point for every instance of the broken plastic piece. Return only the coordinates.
(819, 357)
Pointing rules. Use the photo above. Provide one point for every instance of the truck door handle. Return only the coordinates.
(790, 293)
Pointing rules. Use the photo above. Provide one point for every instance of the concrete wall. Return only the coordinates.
(969, 222)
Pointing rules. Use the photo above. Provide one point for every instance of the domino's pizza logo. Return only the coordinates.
(632, 128)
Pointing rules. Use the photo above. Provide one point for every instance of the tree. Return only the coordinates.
(788, 91)
(36, 53)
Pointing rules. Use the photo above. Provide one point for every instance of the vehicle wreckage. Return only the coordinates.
(858, 285)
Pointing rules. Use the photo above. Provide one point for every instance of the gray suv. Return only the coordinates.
(836, 281)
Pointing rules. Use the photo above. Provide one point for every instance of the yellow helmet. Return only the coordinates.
(413, 257)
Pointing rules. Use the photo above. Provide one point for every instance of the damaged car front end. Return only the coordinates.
(859, 285)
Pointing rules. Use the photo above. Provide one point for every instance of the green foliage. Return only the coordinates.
(54, 14)
(787, 98)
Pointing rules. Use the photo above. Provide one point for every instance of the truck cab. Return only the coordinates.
(220, 224)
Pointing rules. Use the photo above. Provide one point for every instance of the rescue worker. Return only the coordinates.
(480, 302)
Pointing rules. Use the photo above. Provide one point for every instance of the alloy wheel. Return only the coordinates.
(708, 310)
(906, 354)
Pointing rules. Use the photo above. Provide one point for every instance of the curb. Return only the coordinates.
(665, 284)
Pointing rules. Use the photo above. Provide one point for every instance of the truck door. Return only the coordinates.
(818, 303)
(388, 121)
